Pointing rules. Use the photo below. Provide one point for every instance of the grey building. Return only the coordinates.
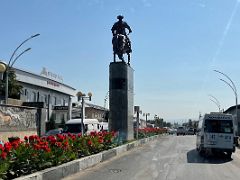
(92, 111)
(46, 87)
(232, 110)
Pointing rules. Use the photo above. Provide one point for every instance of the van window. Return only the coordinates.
(73, 128)
(219, 126)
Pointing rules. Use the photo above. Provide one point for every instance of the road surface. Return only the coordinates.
(168, 158)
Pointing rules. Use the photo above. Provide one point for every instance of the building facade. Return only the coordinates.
(47, 88)
(232, 110)
(92, 111)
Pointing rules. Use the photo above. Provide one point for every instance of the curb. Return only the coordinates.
(78, 165)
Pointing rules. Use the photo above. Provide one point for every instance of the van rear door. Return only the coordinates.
(218, 134)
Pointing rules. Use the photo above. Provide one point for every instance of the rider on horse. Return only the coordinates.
(119, 28)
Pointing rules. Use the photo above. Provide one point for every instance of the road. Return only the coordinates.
(168, 158)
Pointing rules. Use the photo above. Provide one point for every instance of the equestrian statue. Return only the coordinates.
(120, 41)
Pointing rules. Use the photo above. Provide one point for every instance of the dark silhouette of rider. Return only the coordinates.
(119, 28)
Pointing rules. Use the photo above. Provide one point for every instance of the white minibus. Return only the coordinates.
(215, 133)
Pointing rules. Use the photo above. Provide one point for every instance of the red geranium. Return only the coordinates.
(4, 155)
(7, 146)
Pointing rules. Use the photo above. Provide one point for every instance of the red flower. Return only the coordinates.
(3, 155)
(100, 140)
(1, 147)
(7, 146)
(58, 144)
(60, 137)
(36, 146)
(15, 144)
(89, 142)
(93, 133)
(46, 148)
(65, 144)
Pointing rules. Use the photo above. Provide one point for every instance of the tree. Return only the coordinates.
(51, 123)
(14, 88)
(62, 124)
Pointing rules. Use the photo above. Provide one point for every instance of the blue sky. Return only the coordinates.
(176, 45)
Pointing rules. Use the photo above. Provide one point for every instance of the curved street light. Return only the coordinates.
(10, 65)
(233, 87)
(215, 101)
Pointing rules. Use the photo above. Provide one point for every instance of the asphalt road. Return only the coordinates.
(168, 158)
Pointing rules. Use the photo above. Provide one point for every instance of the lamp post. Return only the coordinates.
(215, 101)
(10, 63)
(146, 114)
(81, 96)
(2, 69)
(138, 111)
(233, 87)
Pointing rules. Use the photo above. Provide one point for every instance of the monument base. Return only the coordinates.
(121, 100)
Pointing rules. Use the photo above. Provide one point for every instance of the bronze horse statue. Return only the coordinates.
(121, 46)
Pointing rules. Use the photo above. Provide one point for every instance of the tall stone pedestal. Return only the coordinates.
(121, 100)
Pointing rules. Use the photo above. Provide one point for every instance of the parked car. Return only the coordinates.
(54, 132)
(190, 131)
(181, 130)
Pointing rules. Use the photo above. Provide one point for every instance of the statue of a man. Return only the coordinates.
(119, 28)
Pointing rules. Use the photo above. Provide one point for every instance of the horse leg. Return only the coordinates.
(128, 58)
(120, 56)
(114, 57)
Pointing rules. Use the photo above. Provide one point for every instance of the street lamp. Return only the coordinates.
(10, 63)
(82, 96)
(215, 101)
(233, 87)
(146, 114)
(2, 69)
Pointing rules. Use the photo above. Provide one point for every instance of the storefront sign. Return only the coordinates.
(65, 108)
(51, 75)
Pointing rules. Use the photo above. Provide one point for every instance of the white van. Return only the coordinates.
(74, 126)
(104, 126)
(215, 133)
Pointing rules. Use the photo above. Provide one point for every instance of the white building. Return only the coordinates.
(47, 88)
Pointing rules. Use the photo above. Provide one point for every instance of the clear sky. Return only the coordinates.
(176, 46)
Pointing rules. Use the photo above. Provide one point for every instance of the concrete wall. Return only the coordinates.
(19, 121)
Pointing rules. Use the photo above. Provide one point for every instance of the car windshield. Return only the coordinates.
(219, 126)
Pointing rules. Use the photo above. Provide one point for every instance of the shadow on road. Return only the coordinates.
(194, 157)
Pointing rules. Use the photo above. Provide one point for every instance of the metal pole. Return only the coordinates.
(6, 87)
(137, 123)
(146, 119)
(216, 104)
(82, 125)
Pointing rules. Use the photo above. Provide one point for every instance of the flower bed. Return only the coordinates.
(34, 153)
(147, 132)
